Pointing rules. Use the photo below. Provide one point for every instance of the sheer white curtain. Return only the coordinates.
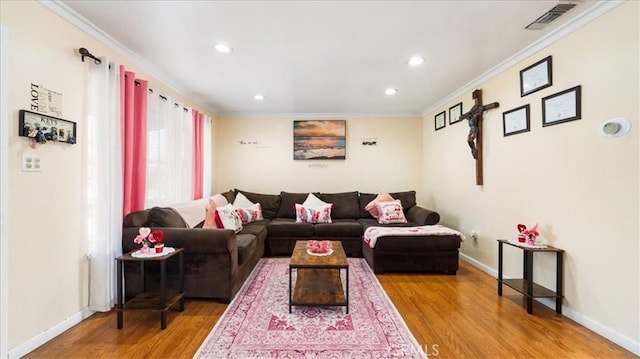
(103, 178)
(206, 157)
(168, 153)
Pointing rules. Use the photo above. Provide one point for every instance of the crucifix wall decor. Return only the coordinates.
(474, 139)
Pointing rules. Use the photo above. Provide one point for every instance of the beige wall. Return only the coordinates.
(581, 188)
(393, 164)
(47, 263)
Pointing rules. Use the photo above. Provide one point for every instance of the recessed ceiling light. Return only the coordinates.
(416, 61)
(225, 49)
(391, 91)
(258, 97)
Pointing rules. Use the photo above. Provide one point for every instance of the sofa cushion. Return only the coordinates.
(229, 195)
(287, 204)
(363, 200)
(345, 204)
(287, 227)
(270, 203)
(258, 229)
(165, 217)
(247, 244)
(137, 219)
(408, 198)
(338, 229)
(372, 222)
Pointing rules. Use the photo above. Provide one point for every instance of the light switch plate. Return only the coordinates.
(31, 162)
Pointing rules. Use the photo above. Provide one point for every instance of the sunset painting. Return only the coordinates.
(319, 140)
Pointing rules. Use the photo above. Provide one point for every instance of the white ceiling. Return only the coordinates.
(310, 58)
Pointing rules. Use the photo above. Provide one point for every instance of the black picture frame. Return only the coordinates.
(536, 77)
(440, 120)
(561, 107)
(45, 128)
(455, 112)
(516, 120)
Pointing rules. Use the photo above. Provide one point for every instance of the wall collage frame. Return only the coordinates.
(557, 108)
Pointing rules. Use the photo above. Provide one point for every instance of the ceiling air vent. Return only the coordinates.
(549, 16)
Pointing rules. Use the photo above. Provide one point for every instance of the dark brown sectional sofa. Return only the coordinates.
(217, 261)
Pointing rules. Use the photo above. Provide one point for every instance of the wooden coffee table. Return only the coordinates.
(318, 281)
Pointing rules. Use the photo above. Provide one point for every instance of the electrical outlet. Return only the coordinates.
(31, 162)
(474, 238)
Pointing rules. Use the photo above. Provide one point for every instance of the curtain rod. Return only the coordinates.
(85, 53)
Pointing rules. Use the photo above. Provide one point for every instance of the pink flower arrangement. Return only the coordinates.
(148, 238)
(528, 234)
(319, 246)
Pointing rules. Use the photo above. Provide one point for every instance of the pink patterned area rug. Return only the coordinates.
(257, 323)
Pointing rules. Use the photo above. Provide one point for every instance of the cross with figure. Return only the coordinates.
(474, 138)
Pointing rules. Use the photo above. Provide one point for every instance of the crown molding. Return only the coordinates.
(92, 30)
(347, 115)
(597, 10)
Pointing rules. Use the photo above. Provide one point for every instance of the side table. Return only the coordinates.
(526, 285)
(151, 300)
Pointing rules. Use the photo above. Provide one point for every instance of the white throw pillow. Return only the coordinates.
(242, 201)
(314, 202)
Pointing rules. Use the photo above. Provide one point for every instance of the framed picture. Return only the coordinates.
(319, 140)
(45, 128)
(561, 107)
(441, 120)
(454, 113)
(516, 120)
(536, 77)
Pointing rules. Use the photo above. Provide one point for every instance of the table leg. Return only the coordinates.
(120, 309)
(529, 277)
(290, 293)
(347, 292)
(163, 295)
(559, 269)
(181, 280)
(500, 268)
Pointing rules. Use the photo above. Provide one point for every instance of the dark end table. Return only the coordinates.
(154, 301)
(526, 285)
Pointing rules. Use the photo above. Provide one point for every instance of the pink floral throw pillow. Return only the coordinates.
(372, 207)
(313, 215)
(250, 214)
(390, 212)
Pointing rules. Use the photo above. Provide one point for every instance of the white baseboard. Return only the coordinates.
(35, 342)
(593, 325)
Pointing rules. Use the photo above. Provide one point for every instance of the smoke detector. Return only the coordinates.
(546, 18)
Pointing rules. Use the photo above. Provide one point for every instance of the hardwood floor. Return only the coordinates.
(450, 316)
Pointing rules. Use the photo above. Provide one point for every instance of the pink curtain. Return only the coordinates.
(134, 139)
(198, 171)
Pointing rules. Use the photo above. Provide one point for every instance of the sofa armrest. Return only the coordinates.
(193, 240)
(422, 216)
